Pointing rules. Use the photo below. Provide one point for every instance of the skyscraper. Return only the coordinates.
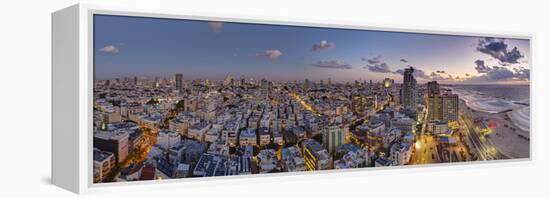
(449, 107)
(135, 81)
(179, 81)
(408, 90)
(264, 87)
(433, 88)
(433, 101)
(441, 106)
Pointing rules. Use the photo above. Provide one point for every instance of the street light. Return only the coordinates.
(417, 145)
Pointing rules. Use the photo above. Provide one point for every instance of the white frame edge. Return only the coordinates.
(72, 84)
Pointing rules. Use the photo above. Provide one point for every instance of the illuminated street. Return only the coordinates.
(425, 151)
(484, 150)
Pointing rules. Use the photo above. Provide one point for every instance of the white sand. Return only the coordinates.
(508, 141)
(505, 139)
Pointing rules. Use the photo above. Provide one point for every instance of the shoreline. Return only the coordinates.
(520, 118)
(510, 139)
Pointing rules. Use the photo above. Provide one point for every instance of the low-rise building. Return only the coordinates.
(400, 153)
(315, 155)
(167, 139)
(151, 121)
(293, 160)
(130, 173)
(350, 156)
(404, 123)
(381, 162)
(212, 135)
(182, 170)
(265, 136)
(187, 151)
(267, 160)
(248, 137)
(198, 130)
(438, 127)
(104, 163)
(180, 125)
(299, 132)
(211, 165)
(277, 137)
(115, 142)
(230, 132)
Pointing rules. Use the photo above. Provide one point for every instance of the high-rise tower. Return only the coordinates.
(408, 90)
(179, 82)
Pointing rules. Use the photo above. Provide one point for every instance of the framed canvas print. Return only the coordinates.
(145, 97)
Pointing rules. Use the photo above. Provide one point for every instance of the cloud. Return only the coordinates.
(375, 64)
(332, 64)
(403, 60)
(215, 26)
(322, 45)
(498, 73)
(109, 49)
(418, 73)
(436, 76)
(272, 54)
(439, 75)
(481, 67)
(382, 68)
(522, 73)
(373, 60)
(498, 49)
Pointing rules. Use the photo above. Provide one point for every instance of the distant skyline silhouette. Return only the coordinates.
(154, 47)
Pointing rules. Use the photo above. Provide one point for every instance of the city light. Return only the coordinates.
(193, 116)
(418, 145)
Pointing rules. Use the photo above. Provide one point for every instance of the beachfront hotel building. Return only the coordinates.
(449, 107)
(441, 106)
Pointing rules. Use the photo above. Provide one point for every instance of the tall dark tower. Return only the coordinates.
(408, 90)
(135, 81)
(433, 88)
(179, 82)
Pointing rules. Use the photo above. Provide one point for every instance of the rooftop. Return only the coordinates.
(249, 133)
(100, 155)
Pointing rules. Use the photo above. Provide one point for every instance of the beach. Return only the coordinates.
(510, 136)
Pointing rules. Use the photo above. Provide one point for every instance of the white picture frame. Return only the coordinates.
(72, 85)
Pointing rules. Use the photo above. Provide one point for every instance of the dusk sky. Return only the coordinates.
(151, 47)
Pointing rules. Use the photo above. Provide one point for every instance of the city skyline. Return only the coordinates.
(152, 47)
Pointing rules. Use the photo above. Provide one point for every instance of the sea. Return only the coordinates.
(513, 99)
(512, 93)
